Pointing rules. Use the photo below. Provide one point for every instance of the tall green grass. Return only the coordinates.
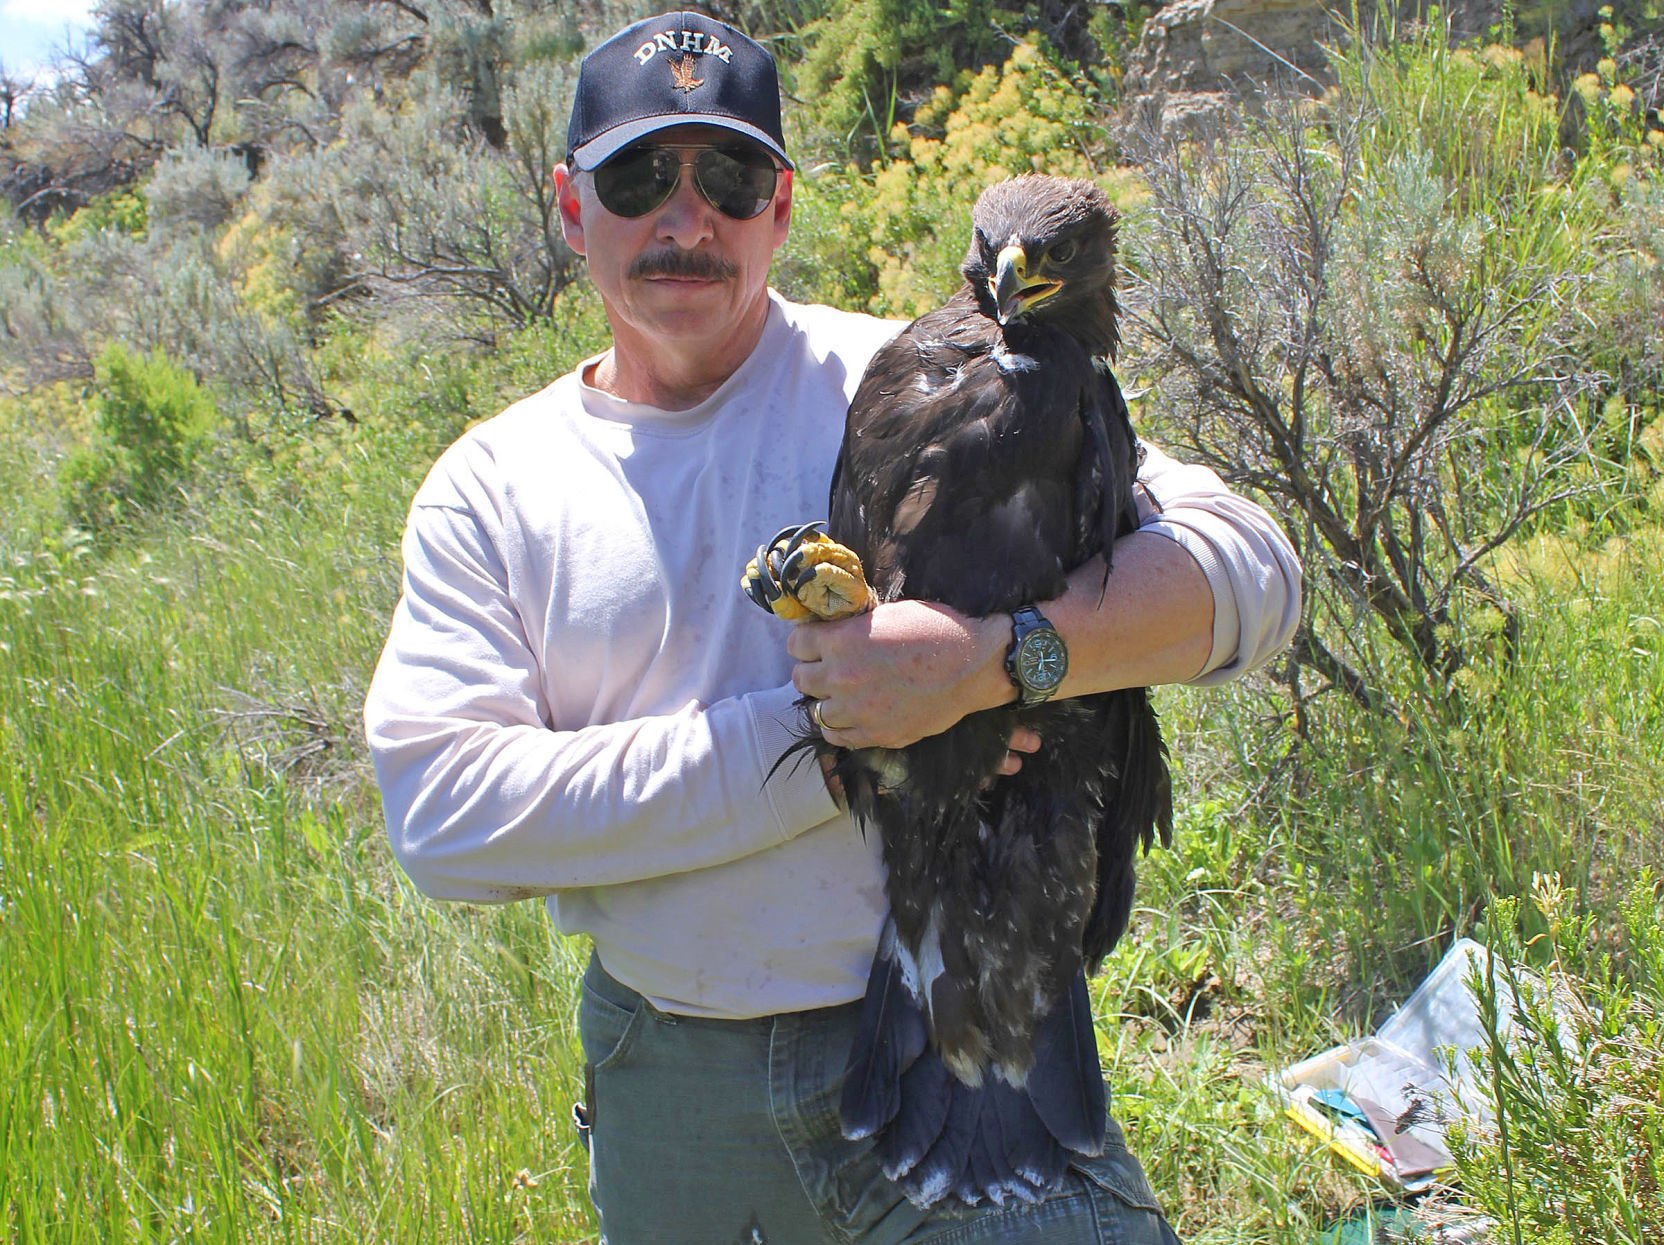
(223, 1014)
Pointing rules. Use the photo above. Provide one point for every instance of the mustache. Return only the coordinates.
(695, 264)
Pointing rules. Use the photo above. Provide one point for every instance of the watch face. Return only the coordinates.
(1042, 660)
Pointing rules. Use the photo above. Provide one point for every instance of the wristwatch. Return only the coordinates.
(1037, 659)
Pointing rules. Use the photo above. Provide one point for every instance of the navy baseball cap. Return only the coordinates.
(679, 69)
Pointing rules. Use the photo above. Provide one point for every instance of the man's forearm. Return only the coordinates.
(1151, 623)
(914, 668)
(490, 795)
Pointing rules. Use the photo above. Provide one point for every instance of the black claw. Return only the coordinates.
(793, 559)
(754, 588)
(764, 577)
(777, 563)
(796, 541)
(784, 536)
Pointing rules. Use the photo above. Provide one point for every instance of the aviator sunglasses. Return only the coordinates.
(738, 181)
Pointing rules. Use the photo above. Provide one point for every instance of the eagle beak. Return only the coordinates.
(1015, 292)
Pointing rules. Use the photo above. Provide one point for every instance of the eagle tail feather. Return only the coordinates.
(891, 1036)
(926, 1097)
(1033, 1155)
(937, 1136)
(980, 1179)
(991, 1144)
(1066, 1084)
(942, 1168)
(1012, 1157)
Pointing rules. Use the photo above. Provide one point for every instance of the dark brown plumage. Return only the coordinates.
(988, 453)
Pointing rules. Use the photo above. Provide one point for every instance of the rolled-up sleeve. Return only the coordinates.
(1249, 562)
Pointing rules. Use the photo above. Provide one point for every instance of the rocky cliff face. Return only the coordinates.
(1194, 56)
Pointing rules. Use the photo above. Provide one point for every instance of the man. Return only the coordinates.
(576, 702)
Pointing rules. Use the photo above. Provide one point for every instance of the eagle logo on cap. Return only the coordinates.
(682, 72)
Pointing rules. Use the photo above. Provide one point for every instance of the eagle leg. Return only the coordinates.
(802, 573)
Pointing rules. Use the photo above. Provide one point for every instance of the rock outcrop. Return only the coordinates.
(1196, 55)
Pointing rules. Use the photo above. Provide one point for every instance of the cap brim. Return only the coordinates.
(598, 151)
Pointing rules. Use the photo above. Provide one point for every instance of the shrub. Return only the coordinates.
(151, 419)
(1370, 311)
(121, 210)
(865, 62)
(1577, 1151)
(195, 188)
(40, 339)
(892, 242)
(458, 235)
(1025, 116)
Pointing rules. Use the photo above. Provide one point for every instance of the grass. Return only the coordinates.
(225, 1016)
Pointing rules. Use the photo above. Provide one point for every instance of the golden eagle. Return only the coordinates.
(988, 453)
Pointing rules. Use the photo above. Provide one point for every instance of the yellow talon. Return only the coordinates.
(781, 605)
(803, 573)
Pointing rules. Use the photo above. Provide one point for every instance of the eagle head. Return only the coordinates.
(1043, 251)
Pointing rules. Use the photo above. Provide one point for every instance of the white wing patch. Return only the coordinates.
(1009, 362)
(928, 382)
(919, 972)
(930, 954)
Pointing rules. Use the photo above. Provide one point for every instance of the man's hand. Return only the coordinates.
(906, 670)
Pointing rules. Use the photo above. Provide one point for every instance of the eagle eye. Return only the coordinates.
(1063, 252)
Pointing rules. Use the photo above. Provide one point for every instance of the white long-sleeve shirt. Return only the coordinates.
(576, 700)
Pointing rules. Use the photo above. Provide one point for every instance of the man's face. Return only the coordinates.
(684, 273)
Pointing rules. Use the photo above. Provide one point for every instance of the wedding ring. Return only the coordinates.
(820, 722)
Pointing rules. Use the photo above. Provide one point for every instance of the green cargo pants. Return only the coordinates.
(725, 1132)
